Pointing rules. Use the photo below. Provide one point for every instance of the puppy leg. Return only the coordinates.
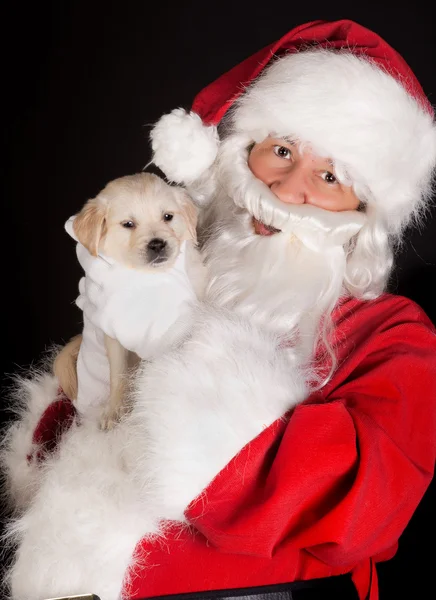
(118, 367)
(65, 367)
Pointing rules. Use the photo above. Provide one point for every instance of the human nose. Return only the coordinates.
(291, 187)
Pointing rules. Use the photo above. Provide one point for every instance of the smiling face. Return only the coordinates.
(137, 220)
(296, 176)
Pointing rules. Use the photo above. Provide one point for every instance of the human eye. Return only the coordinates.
(329, 177)
(282, 152)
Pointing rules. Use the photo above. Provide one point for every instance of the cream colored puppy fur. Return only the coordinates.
(141, 222)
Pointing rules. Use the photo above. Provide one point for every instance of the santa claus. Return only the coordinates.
(284, 441)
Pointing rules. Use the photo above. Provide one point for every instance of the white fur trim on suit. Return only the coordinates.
(195, 409)
(79, 534)
(352, 112)
(198, 406)
(183, 147)
(31, 397)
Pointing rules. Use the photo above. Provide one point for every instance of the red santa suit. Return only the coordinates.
(328, 489)
(303, 500)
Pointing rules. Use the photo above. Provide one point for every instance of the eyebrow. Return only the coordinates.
(289, 139)
(293, 141)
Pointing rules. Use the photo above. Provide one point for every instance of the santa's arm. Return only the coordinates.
(347, 474)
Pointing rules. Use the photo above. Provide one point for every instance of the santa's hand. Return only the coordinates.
(93, 375)
(133, 307)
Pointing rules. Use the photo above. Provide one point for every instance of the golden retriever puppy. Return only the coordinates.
(141, 222)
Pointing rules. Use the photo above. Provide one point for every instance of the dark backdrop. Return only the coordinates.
(82, 82)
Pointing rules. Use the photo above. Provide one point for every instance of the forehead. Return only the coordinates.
(139, 196)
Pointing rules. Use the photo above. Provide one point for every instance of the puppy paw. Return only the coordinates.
(108, 421)
(110, 417)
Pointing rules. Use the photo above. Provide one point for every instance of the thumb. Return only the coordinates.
(70, 229)
(80, 301)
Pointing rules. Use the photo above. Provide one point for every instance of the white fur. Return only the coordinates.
(22, 477)
(80, 532)
(197, 407)
(183, 147)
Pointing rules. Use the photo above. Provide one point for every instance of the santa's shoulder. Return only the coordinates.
(385, 310)
(386, 337)
(381, 325)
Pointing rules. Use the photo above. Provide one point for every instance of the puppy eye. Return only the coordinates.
(168, 217)
(128, 224)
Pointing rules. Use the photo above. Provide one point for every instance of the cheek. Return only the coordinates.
(333, 199)
(117, 241)
(177, 227)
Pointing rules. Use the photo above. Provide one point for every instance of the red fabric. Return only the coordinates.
(327, 490)
(55, 420)
(213, 101)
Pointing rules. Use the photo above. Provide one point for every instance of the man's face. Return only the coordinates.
(297, 177)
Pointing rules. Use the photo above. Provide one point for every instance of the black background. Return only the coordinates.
(82, 82)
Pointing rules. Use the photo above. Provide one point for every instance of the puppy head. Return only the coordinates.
(138, 220)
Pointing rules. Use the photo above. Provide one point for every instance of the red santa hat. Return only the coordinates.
(334, 85)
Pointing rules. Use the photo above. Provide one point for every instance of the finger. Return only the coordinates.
(70, 229)
(88, 292)
(89, 310)
(92, 291)
(80, 301)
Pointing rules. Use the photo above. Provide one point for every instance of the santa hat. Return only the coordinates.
(334, 85)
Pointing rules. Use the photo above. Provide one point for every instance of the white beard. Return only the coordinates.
(288, 282)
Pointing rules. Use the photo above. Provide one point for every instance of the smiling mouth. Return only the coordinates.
(262, 229)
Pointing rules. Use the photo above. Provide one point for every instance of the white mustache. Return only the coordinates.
(315, 227)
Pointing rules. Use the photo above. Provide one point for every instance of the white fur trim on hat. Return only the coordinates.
(183, 147)
(353, 112)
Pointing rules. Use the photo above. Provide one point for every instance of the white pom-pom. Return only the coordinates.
(183, 147)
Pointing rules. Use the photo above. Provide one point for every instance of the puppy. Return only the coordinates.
(141, 222)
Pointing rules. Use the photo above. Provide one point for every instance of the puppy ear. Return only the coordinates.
(189, 213)
(89, 225)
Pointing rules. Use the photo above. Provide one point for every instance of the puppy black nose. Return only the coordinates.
(156, 245)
